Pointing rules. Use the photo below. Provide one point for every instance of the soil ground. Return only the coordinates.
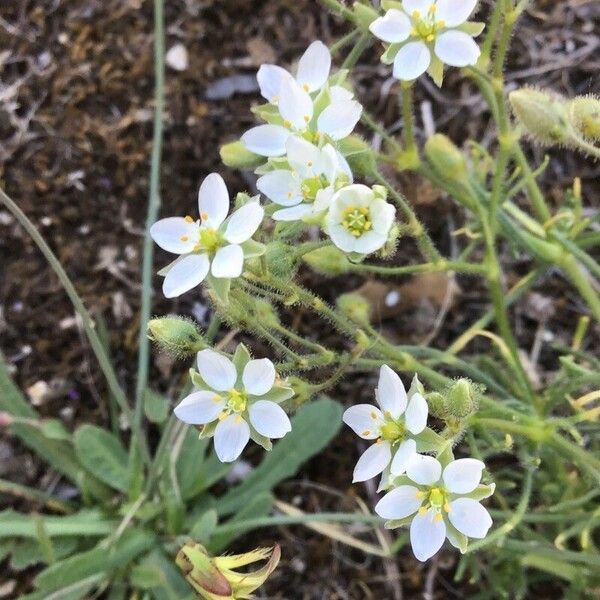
(75, 137)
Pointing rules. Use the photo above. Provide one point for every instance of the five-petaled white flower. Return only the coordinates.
(235, 402)
(359, 219)
(307, 186)
(446, 504)
(332, 118)
(424, 34)
(213, 243)
(394, 426)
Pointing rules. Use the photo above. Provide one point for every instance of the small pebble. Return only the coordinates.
(177, 57)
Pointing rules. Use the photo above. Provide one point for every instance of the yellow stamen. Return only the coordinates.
(287, 124)
(447, 507)
(373, 415)
(310, 163)
(184, 238)
(416, 14)
(306, 118)
(438, 517)
(189, 219)
(216, 398)
(432, 9)
(430, 37)
(421, 495)
(222, 415)
(204, 216)
(306, 87)
(238, 419)
(441, 24)
(422, 511)
(365, 433)
(414, 32)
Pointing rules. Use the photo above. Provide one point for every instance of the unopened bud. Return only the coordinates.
(281, 259)
(354, 306)
(444, 156)
(543, 115)
(391, 244)
(328, 261)
(176, 335)
(265, 313)
(438, 405)
(359, 155)
(236, 155)
(584, 115)
(364, 15)
(463, 398)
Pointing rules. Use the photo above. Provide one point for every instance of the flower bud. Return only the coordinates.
(438, 405)
(543, 115)
(364, 15)
(236, 155)
(446, 159)
(354, 306)
(584, 115)
(463, 398)
(176, 335)
(359, 155)
(328, 261)
(214, 578)
(389, 248)
(265, 313)
(281, 259)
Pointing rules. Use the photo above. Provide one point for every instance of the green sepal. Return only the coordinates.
(339, 78)
(429, 441)
(387, 58)
(208, 430)
(220, 287)
(240, 359)
(322, 101)
(236, 155)
(252, 248)
(436, 70)
(273, 164)
(415, 387)
(277, 394)
(269, 113)
(472, 28)
(261, 440)
(163, 272)
(198, 382)
(395, 523)
(387, 4)
(481, 492)
(457, 539)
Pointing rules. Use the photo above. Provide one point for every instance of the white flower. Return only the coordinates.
(332, 118)
(213, 244)
(394, 426)
(235, 402)
(425, 34)
(359, 220)
(307, 186)
(446, 503)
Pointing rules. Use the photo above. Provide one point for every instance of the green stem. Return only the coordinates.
(435, 267)
(357, 51)
(406, 96)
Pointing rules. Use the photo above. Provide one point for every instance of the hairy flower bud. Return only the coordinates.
(236, 155)
(356, 307)
(438, 405)
(543, 115)
(447, 160)
(265, 313)
(281, 259)
(463, 398)
(584, 115)
(328, 261)
(176, 335)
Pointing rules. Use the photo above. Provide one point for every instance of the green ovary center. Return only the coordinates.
(392, 431)
(312, 186)
(210, 240)
(236, 401)
(425, 26)
(435, 498)
(357, 220)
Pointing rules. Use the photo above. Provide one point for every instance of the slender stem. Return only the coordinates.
(406, 101)
(535, 194)
(491, 32)
(148, 246)
(357, 51)
(440, 266)
(336, 7)
(344, 41)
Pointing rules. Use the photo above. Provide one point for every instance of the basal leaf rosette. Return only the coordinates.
(235, 401)
(304, 182)
(423, 35)
(438, 503)
(311, 104)
(359, 220)
(213, 247)
(398, 425)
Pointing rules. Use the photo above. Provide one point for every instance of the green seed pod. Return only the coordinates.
(328, 261)
(447, 160)
(438, 405)
(462, 398)
(356, 307)
(364, 15)
(236, 155)
(543, 115)
(176, 335)
(584, 116)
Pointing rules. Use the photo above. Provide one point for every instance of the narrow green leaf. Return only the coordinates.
(146, 577)
(156, 407)
(28, 552)
(204, 527)
(12, 399)
(103, 455)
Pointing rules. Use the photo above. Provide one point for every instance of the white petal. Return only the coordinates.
(304, 157)
(185, 275)
(372, 462)
(338, 93)
(175, 235)
(231, 436)
(427, 534)
(369, 242)
(382, 216)
(269, 79)
(399, 503)
(199, 408)
(470, 517)
(213, 200)
(463, 475)
(416, 414)
(258, 376)
(280, 186)
(217, 370)
(313, 67)
(393, 27)
(269, 419)
(228, 262)
(364, 419)
(411, 61)
(340, 236)
(423, 469)
(457, 49)
(391, 395)
(454, 12)
(330, 164)
(338, 120)
(422, 6)
(244, 222)
(295, 104)
(295, 213)
(266, 140)
(404, 454)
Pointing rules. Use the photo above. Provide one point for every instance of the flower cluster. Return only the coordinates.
(423, 35)
(438, 502)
